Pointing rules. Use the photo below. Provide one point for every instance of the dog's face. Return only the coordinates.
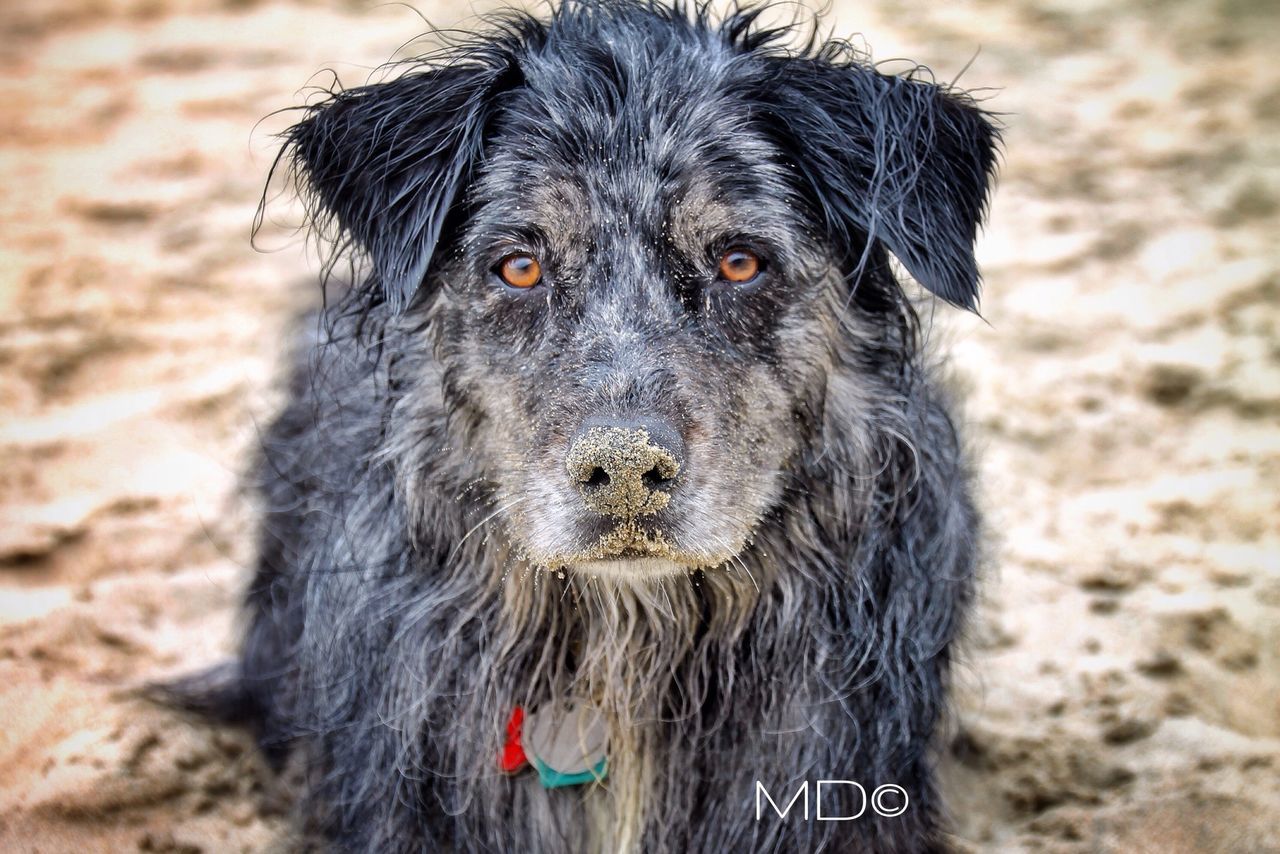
(672, 304)
(635, 237)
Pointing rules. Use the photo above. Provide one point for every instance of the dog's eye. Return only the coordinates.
(520, 270)
(739, 266)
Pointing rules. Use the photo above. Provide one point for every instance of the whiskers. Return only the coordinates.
(511, 505)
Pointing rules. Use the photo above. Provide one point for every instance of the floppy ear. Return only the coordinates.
(383, 164)
(896, 159)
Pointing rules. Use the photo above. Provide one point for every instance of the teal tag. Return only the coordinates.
(550, 778)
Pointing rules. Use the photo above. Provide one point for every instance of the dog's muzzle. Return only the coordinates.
(625, 469)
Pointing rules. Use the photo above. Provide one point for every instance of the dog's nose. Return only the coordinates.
(625, 468)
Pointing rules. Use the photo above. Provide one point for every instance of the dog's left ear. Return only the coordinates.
(382, 165)
(896, 159)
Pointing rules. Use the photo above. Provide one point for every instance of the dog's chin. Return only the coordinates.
(637, 568)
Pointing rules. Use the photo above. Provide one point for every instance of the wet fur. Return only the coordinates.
(411, 589)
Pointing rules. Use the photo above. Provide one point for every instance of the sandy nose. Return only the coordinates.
(625, 471)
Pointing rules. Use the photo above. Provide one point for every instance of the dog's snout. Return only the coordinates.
(625, 468)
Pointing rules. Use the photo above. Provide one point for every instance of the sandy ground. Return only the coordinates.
(1122, 689)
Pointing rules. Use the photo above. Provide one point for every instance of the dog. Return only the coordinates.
(625, 428)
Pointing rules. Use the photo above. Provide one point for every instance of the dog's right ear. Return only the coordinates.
(381, 165)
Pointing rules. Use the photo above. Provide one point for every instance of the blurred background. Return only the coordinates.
(1121, 690)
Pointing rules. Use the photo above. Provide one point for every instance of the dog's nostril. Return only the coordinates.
(654, 479)
(599, 477)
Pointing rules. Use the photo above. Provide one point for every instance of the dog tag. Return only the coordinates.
(513, 758)
(566, 743)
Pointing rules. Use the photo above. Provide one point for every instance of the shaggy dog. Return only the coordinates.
(627, 409)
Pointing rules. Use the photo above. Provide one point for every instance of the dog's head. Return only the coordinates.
(636, 240)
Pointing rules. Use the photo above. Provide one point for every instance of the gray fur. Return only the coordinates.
(421, 568)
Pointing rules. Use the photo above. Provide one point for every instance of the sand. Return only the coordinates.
(1121, 689)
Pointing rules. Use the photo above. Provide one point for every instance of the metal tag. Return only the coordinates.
(566, 743)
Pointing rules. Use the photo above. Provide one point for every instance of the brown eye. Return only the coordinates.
(520, 270)
(739, 266)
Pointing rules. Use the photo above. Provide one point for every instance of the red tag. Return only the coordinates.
(513, 758)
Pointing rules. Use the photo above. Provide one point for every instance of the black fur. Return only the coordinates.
(426, 564)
